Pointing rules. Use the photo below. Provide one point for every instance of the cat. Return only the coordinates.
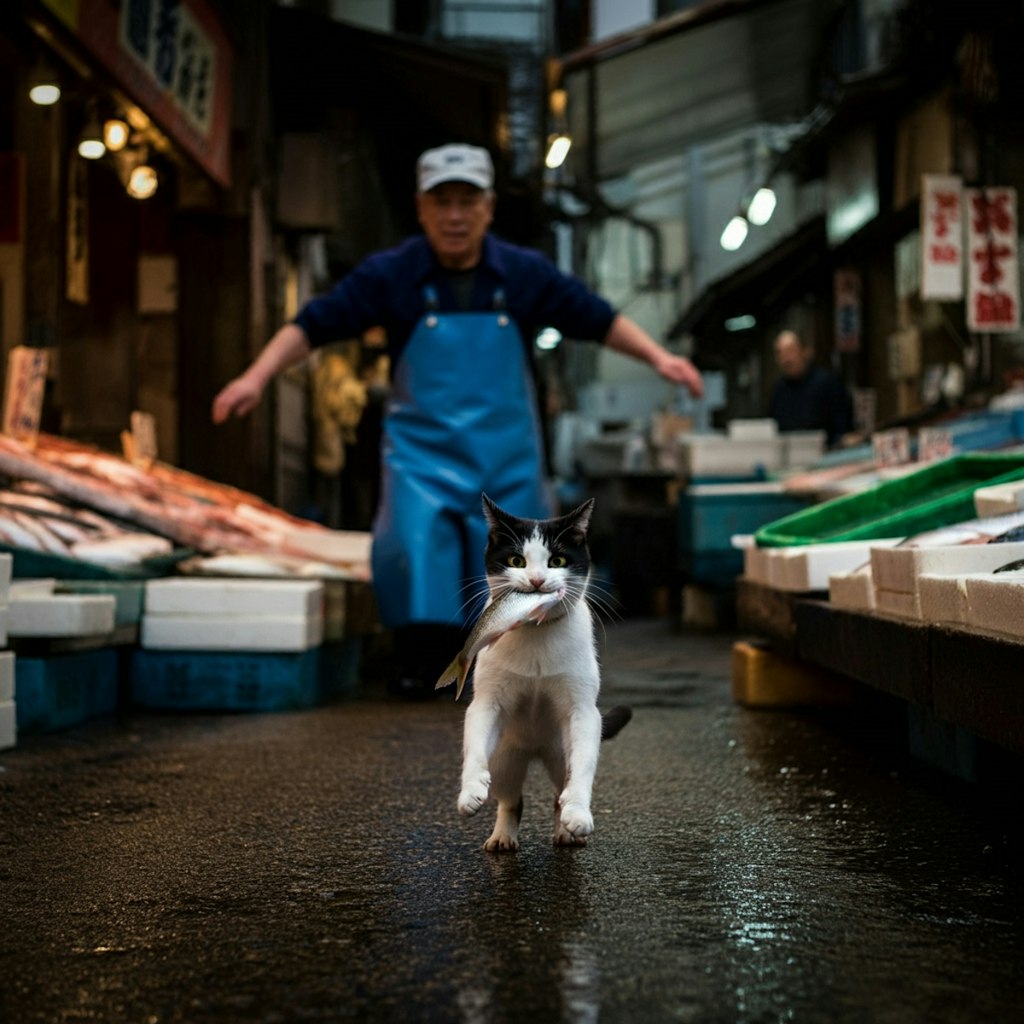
(535, 689)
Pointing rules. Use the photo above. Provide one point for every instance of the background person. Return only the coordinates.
(460, 308)
(807, 396)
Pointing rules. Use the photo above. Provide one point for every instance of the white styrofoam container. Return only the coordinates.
(38, 587)
(897, 603)
(5, 617)
(995, 603)
(231, 632)
(943, 599)
(752, 430)
(898, 568)
(6, 676)
(6, 561)
(802, 447)
(8, 725)
(999, 499)
(715, 454)
(57, 615)
(234, 597)
(811, 567)
(853, 591)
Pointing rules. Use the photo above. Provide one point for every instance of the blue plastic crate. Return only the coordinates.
(225, 680)
(63, 690)
(710, 515)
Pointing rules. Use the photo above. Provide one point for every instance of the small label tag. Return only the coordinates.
(26, 384)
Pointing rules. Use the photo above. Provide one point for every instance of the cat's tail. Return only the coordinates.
(614, 721)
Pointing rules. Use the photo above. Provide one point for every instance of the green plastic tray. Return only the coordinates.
(937, 495)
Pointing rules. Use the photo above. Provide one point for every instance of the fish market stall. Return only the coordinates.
(914, 588)
(88, 541)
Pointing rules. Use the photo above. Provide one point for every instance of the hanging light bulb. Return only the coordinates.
(90, 142)
(115, 134)
(762, 206)
(142, 182)
(558, 150)
(735, 233)
(43, 87)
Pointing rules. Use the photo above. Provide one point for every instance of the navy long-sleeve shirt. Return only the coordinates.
(816, 401)
(387, 290)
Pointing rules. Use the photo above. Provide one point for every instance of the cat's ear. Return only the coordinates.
(491, 512)
(579, 518)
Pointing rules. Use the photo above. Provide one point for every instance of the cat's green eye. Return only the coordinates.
(517, 561)
(557, 562)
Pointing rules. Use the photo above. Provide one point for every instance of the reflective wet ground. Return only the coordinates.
(747, 866)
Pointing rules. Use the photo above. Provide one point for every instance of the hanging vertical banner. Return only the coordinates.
(993, 277)
(942, 237)
(847, 290)
(76, 282)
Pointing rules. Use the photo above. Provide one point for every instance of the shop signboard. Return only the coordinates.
(23, 396)
(993, 275)
(942, 246)
(173, 58)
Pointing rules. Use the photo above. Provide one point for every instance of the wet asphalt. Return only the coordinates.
(747, 866)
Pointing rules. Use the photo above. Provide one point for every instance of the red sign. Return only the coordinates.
(173, 58)
(993, 279)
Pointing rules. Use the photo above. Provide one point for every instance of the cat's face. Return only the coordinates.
(538, 555)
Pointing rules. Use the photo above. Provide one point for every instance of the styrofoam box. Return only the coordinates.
(6, 676)
(999, 499)
(809, 568)
(231, 632)
(898, 568)
(897, 603)
(6, 561)
(852, 590)
(234, 597)
(8, 725)
(43, 614)
(5, 616)
(995, 603)
(943, 599)
(711, 454)
(752, 430)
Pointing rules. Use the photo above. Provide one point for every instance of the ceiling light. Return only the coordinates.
(90, 142)
(740, 323)
(115, 134)
(43, 88)
(558, 150)
(142, 182)
(549, 339)
(762, 206)
(735, 233)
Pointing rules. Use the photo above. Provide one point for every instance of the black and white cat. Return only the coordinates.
(535, 689)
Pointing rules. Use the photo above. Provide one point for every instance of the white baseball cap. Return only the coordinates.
(455, 162)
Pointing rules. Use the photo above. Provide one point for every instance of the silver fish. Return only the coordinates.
(972, 531)
(509, 611)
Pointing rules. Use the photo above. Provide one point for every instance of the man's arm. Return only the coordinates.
(240, 396)
(632, 340)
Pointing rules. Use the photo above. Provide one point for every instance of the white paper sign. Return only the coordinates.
(942, 244)
(26, 385)
(993, 276)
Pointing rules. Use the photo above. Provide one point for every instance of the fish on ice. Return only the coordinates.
(509, 611)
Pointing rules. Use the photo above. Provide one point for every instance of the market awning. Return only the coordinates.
(699, 75)
(760, 288)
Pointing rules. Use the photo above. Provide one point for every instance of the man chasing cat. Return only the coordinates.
(459, 307)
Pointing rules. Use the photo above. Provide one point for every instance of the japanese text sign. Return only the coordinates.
(26, 385)
(993, 275)
(942, 256)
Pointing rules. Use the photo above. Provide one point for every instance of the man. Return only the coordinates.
(459, 308)
(807, 396)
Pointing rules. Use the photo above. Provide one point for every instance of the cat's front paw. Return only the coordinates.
(474, 795)
(575, 823)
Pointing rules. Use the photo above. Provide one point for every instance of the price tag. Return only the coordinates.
(891, 447)
(140, 445)
(26, 384)
(934, 444)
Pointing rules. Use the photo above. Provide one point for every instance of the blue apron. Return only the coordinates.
(462, 419)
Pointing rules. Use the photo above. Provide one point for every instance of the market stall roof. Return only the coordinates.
(762, 286)
(695, 76)
(409, 94)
